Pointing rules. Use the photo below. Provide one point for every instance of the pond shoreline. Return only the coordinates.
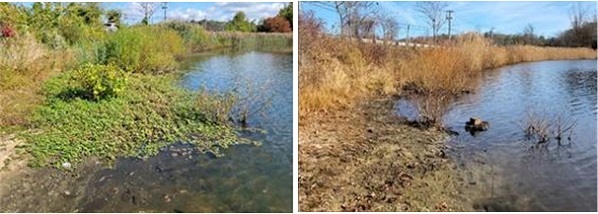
(371, 160)
(88, 183)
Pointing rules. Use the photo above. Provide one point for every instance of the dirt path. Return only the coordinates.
(369, 160)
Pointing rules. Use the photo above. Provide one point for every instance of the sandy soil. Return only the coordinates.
(368, 159)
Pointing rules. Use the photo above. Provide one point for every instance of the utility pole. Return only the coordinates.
(205, 22)
(164, 7)
(408, 26)
(449, 17)
(492, 35)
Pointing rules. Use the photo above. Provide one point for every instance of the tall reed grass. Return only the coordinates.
(24, 65)
(333, 72)
(252, 40)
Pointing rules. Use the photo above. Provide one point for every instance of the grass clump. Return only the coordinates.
(152, 114)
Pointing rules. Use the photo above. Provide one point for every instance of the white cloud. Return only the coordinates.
(253, 10)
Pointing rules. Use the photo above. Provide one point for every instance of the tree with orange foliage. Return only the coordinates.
(277, 24)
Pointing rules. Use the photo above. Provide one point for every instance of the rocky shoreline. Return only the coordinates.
(366, 158)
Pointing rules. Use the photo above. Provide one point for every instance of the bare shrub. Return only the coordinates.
(541, 129)
(432, 106)
(563, 126)
(536, 127)
(215, 108)
(250, 102)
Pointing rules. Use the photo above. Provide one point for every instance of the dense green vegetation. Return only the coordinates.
(152, 113)
(81, 91)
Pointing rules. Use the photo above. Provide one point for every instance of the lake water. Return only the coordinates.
(504, 171)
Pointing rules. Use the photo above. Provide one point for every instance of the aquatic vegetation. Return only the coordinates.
(542, 129)
(151, 114)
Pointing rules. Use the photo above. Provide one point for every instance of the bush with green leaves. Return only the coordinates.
(98, 82)
(59, 24)
(144, 49)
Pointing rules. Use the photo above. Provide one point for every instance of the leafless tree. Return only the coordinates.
(433, 11)
(389, 26)
(352, 14)
(583, 26)
(528, 34)
(147, 9)
(367, 28)
(578, 15)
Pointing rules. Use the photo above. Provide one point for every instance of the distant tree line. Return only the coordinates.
(583, 35)
(282, 22)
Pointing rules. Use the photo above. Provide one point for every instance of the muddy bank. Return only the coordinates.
(368, 159)
(25, 189)
(178, 179)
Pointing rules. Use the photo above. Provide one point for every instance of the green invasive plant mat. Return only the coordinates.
(151, 113)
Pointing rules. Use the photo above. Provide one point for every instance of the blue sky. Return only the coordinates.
(548, 18)
(222, 11)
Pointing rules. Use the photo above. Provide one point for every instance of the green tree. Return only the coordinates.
(58, 24)
(114, 16)
(287, 13)
(12, 14)
(240, 23)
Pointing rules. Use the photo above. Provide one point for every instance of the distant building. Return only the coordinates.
(111, 27)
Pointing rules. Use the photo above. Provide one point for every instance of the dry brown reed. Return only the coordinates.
(24, 65)
(334, 72)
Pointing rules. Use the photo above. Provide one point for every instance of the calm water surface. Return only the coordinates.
(508, 172)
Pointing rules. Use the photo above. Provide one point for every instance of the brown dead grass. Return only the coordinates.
(333, 73)
(24, 66)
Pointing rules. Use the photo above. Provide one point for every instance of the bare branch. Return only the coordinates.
(433, 11)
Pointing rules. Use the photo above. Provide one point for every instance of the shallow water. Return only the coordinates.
(181, 179)
(520, 175)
